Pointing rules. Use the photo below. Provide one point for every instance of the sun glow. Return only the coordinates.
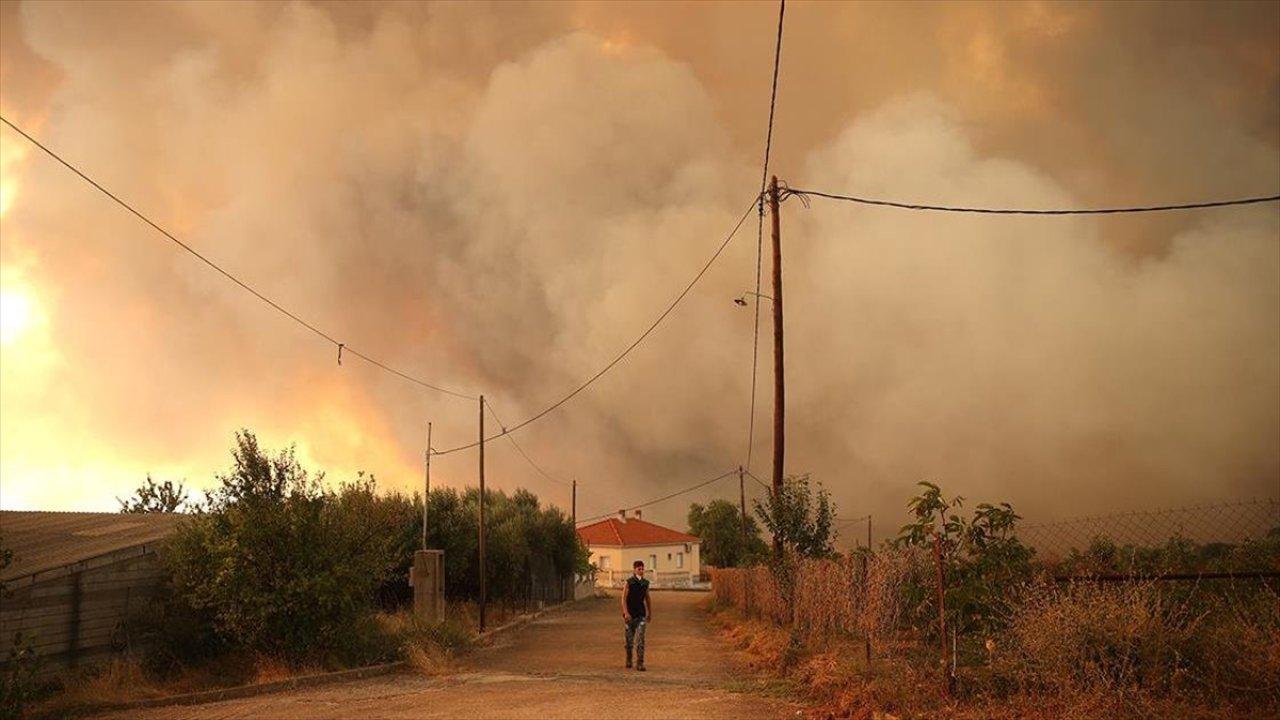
(19, 312)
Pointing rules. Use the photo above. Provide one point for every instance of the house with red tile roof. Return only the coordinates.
(671, 558)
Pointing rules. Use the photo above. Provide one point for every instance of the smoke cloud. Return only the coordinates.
(501, 198)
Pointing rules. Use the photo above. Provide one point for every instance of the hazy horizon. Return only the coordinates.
(500, 198)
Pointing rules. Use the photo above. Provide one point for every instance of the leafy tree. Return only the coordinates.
(799, 517)
(719, 525)
(154, 497)
(526, 546)
(278, 564)
(982, 559)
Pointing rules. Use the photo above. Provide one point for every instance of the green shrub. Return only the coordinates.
(276, 563)
(724, 544)
(981, 559)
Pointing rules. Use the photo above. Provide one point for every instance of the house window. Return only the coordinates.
(680, 560)
(653, 560)
(604, 562)
(668, 556)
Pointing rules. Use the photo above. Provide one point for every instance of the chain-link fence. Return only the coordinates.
(1239, 537)
(1225, 538)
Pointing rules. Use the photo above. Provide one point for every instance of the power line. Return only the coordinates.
(342, 347)
(764, 177)
(519, 449)
(759, 482)
(542, 413)
(844, 522)
(788, 192)
(655, 501)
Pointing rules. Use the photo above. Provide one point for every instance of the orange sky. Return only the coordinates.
(501, 197)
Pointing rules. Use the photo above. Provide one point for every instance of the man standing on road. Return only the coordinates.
(636, 612)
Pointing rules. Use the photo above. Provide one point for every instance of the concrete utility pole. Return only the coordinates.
(779, 391)
(483, 595)
(426, 492)
(574, 503)
(742, 506)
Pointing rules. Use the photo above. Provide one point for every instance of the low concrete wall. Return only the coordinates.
(657, 580)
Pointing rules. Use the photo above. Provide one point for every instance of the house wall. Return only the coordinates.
(621, 559)
(77, 617)
(614, 555)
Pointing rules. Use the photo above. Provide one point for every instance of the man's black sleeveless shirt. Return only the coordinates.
(637, 593)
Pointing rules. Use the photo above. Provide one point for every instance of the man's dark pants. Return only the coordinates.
(635, 637)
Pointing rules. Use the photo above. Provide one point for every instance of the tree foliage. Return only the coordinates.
(719, 525)
(277, 563)
(154, 497)
(799, 517)
(980, 556)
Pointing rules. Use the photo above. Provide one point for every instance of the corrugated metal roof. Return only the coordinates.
(43, 541)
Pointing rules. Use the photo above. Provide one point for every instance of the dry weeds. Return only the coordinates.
(1075, 651)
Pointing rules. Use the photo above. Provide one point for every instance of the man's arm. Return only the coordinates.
(648, 607)
(625, 589)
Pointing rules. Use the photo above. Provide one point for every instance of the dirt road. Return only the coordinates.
(566, 664)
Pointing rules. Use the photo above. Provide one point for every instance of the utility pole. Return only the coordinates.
(426, 492)
(574, 503)
(483, 595)
(779, 392)
(742, 506)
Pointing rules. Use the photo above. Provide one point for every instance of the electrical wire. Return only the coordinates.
(788, 192)
(760, 482)
(764, 178)
(636, 343)
(520, 450)
(655, 501)
(342, 347)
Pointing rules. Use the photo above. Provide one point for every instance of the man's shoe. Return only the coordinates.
(628, 663)
(640, 667)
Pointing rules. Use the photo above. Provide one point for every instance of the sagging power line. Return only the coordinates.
(519, 449)
(677, 493)
(636, 343)
(341, 346)
(788, 192)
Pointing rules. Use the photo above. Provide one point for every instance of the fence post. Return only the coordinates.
(866, 593)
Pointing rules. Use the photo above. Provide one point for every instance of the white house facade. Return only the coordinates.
(671, 558)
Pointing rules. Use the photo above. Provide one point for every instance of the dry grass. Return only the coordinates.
(1086, 651)
(117, 680)
(1137, 647)
(429, 648)
(834, 599)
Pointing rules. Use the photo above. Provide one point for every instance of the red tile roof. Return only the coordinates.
(633, 531)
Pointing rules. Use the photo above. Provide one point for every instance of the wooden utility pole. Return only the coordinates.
(483, 595)
(742, 507)
(779, 391)
(574, 503)
(426, 491)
